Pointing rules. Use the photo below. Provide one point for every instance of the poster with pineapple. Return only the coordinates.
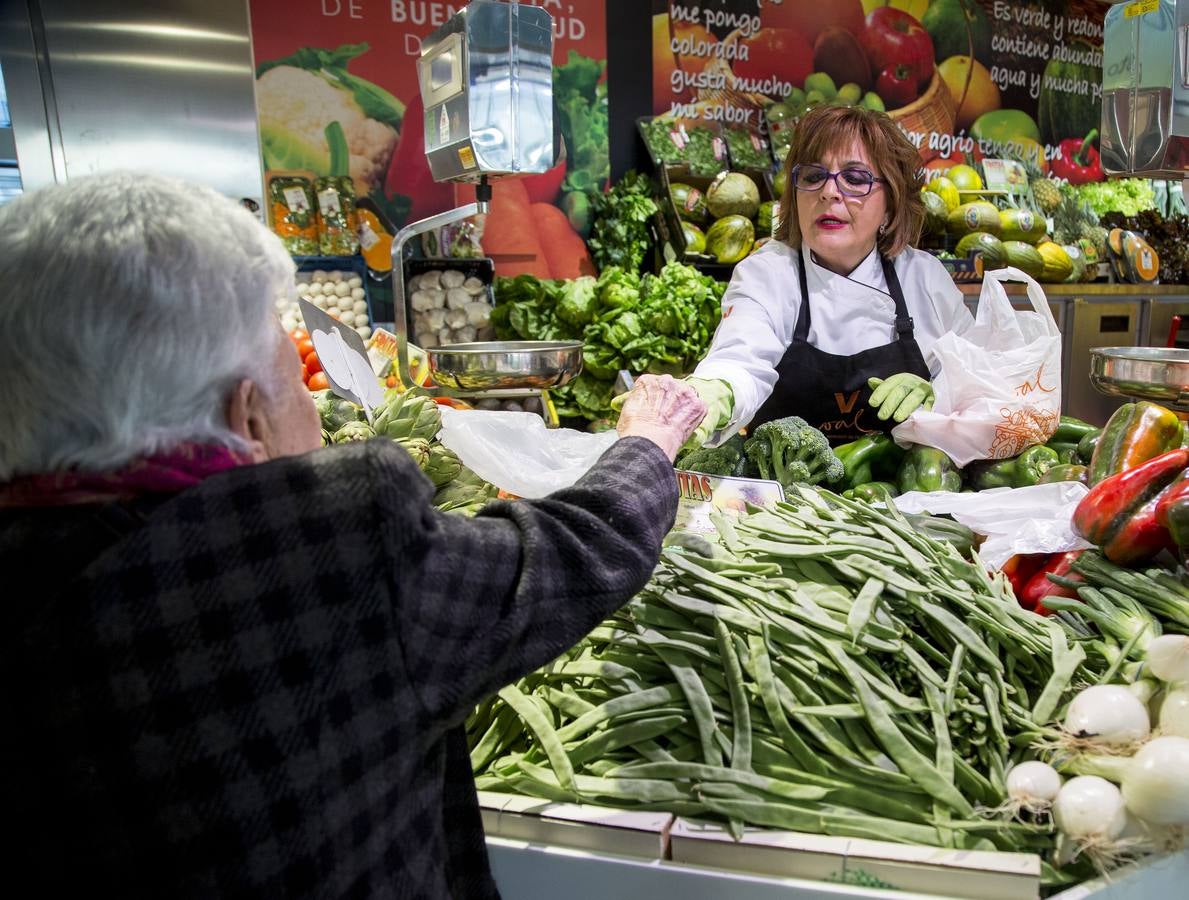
(966, 80)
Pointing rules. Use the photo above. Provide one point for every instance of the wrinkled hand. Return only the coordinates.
(662, 409)
(899, 396)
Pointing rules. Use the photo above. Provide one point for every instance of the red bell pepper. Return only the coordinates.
(1078, 162)
(1119, 513)
(1172, 511)
(1040, 586)
(1021, 567)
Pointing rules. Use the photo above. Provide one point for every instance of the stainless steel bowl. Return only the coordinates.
(1142, 373)
(505, 365)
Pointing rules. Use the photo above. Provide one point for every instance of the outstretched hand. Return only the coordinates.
(662, 409)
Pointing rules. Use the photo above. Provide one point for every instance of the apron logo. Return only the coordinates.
(846, 404)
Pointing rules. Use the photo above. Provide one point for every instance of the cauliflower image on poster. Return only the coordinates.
(298, 96)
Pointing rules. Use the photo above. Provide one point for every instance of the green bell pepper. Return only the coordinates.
(873, 457)
(871, 492)
(1086, 447)
(1071, 430)
(1067, 453)
(1019, 471)
(1064, 472)
(928, 469)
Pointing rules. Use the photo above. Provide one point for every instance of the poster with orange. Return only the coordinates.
(354, 62)
(964, 78)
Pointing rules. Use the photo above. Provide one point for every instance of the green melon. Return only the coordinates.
(978, 215)
(1021, 225)
(730, 238)
(1024, 257)
(695, 238)
(989, 246)
(733, 194)
(689, 202)
(1077, 260)
(936, 213)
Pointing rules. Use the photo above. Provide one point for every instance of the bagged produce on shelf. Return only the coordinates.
(291, 213)
(999, 388)
(517, 453)
(336, 216)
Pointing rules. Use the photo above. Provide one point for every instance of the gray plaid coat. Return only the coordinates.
(255, 687)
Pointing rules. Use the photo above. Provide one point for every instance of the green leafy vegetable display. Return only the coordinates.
(619, 236)
(661, 324)
(697, 146)
(1126, 195)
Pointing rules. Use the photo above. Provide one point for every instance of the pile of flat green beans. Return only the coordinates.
(822, 668)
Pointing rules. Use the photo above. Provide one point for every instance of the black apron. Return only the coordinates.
(829, 391)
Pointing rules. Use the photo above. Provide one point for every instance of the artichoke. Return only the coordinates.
(404, 416)
(466, 494)
(327, 440)
(444, 466)
(418, 448)
(353, 431)
(334, 411)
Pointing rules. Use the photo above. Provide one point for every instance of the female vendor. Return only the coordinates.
(834, 318)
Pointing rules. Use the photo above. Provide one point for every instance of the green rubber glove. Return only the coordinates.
(900, 395)
(720, 405)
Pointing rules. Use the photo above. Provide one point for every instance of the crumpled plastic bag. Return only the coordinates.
(1035, 519)
(517, 453)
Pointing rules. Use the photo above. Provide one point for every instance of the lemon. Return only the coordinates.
(964, 178)
(948, 191)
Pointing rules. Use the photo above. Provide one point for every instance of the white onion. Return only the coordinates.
(1156, 783)
(1033, 785)
(319, 277)
(360, 306)
(355, 282)
(1174, 713)
(1168, 658)
(1089, 809)
(364, 331)
(358, 293)
(1109, 715)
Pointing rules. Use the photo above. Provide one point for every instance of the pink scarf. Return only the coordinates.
(162, 473)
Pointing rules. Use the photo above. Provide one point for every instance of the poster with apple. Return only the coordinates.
(964, 79)
(354, 62)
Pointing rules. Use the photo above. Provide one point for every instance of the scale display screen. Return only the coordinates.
(441, 71)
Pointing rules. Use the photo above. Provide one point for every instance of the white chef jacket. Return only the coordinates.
(848, 314)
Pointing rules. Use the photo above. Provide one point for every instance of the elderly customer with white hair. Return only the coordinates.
(241, 663)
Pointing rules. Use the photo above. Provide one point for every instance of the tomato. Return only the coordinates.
(779, 52)
(318, 382)
(297, 335)
(312, 362)
(893, 38)
(305, 374)
(305, 348)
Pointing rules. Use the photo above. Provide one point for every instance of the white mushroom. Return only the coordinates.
(318, 277)
(465, 335)
(474, 286)
(345, 303)
(364, 331)
(435, 319)
(427, 339)
(445, 336)
(342, 289)
(361, 319)
(452, 278)
(486, 333)
(421, 301)
(336, 276)
(429, 280)
(355, 282)
(456, 318)
(358, 293)
(313, 289)
(478, 314)
(319, 302)
(360, 305)
(457, 298)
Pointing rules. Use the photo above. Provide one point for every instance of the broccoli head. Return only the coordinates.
(727, 459)
(792, 451)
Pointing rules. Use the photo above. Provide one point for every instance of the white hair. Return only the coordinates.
(132, 306)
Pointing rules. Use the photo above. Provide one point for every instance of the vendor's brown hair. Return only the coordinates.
(835, 128)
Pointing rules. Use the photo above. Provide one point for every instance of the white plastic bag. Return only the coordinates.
(517, 453)
(1014, 520)
(999, 389)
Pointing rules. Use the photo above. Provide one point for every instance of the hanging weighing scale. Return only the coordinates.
(486, 79)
